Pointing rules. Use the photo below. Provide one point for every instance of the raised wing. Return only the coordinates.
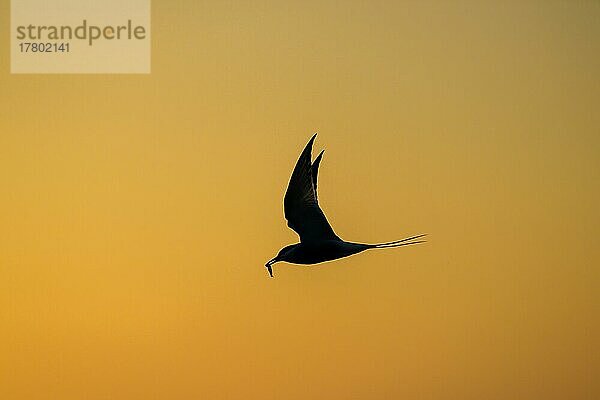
(300, 203)
(314, 169)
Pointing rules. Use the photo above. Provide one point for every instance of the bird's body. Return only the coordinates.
(318, 241)
(326, 250)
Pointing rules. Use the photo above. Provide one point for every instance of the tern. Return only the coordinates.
(318, 241)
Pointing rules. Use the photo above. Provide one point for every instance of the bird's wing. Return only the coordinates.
(314, 169)
(300, 203)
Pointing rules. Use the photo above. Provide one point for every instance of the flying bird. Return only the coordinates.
(318, 241)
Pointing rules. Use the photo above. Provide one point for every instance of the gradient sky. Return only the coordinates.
(137, 211)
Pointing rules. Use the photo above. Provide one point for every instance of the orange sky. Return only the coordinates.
(137, 211)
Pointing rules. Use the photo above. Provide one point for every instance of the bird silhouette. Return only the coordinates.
(318, 241)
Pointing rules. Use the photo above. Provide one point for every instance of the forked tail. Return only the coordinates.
(398, 243)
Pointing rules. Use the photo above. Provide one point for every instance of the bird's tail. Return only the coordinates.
(398, 243)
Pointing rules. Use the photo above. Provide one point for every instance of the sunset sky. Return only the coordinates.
(137, 211)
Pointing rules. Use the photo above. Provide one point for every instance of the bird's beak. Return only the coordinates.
(268, 265)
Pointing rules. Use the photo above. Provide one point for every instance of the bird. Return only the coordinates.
(318, 241)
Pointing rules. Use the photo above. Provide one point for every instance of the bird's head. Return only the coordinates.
(283, 255)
